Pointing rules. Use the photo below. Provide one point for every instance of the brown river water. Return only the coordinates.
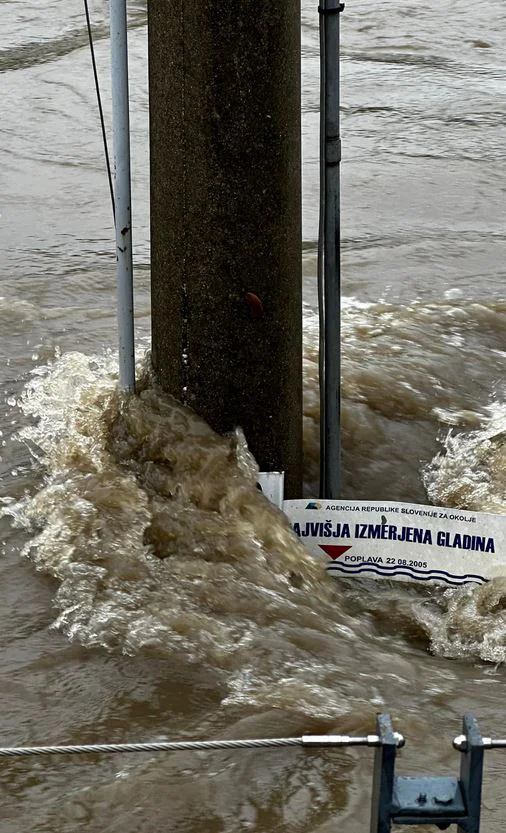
(147, 589)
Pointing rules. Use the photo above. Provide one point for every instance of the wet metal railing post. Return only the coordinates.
(428, 799)
(383, 775)
(122, 192)
(329, 11)
(471, 774)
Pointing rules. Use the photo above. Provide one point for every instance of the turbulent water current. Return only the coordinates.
(148, 589)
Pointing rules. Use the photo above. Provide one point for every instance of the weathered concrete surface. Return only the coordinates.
(225, 218)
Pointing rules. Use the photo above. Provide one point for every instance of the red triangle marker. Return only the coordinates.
(334, 550)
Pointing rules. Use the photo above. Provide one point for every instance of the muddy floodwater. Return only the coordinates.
(147, 589)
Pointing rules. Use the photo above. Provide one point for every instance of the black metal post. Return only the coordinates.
(383, 778)
(330, 266)
(471, 774)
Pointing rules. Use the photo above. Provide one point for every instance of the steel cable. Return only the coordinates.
(100, 108)
(196, 746)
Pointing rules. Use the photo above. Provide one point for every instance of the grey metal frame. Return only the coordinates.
(427, 799)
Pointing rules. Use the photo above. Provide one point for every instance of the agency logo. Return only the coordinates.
(313, 505)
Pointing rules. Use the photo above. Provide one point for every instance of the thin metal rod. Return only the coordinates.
(329, 19)
(123, 219)
(460, 743)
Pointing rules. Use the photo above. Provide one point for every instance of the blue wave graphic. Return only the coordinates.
(387, 571)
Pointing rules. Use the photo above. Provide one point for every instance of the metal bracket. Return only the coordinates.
(441, 801)
(334, 10)
(272, 484)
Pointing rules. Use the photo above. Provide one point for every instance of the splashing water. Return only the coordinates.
(137, 488)
(156, 531)
(470, 474)
(160, 541)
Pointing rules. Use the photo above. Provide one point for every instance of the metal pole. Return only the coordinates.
(321, 225)
(330, 188)
(122, 193)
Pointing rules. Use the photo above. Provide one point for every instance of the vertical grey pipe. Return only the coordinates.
(321, 221)
(329, 19)
(122, 193)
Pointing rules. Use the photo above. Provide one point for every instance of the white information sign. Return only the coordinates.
(401, 541)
